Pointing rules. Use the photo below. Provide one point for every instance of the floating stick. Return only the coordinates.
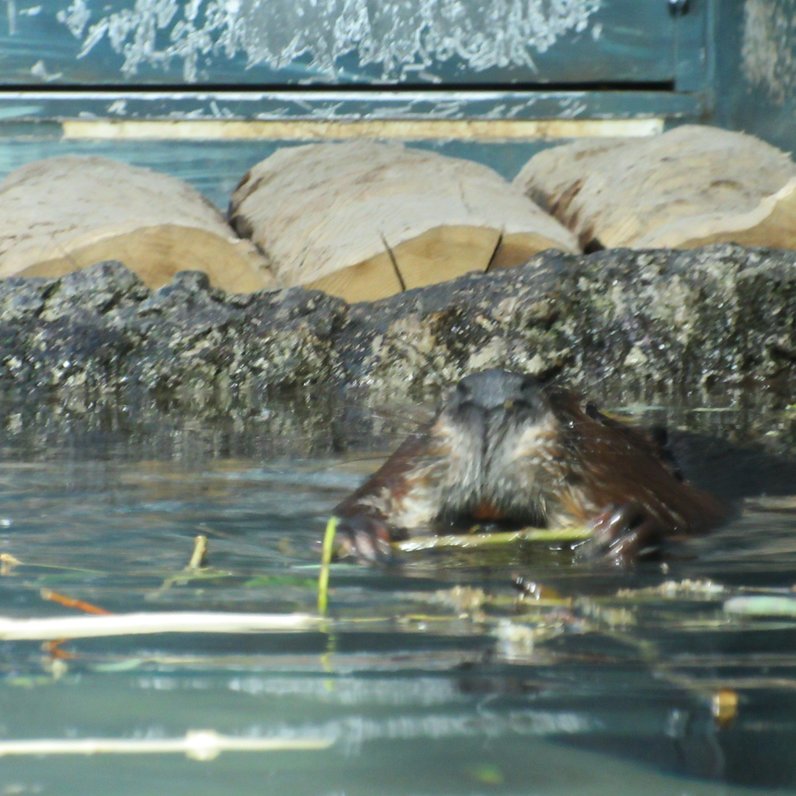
(197, 744)
(466, 541)
(150, 623)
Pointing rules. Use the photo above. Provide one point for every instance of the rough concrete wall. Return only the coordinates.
(674, 325)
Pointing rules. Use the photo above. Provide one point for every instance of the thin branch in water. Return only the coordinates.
(72, 602)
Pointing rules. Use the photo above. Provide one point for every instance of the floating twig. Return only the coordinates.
(72, 602)
(196, 744)
(466, 541)
(150, 623)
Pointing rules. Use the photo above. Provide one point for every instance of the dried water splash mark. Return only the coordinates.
(769, 47)
(75, 17)
(13, 11)
(400, 36)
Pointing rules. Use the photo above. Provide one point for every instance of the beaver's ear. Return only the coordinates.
(550, 376)
(534, 397)
(659, 436)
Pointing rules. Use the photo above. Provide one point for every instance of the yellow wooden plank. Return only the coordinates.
(396, 129)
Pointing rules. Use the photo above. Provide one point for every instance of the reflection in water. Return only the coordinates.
(589, 692)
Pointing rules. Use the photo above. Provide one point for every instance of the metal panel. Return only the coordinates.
(290, 42)
(347, 105)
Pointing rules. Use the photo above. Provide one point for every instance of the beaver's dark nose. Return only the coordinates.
(493, 389)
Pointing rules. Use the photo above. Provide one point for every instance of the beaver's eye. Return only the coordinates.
(463, 391)
(532, 397)
(531, 392)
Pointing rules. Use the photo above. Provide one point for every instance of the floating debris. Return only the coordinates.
(197, 745)
(761, 605)
(676, 588)
(724, 707)
(7, 563)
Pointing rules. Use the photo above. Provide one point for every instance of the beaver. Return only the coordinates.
(511, 450)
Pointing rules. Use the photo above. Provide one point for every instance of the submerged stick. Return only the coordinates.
(466, 541)
(150, 623)
(197, 744)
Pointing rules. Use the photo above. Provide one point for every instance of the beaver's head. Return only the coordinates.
(510, 449)
(496, 450)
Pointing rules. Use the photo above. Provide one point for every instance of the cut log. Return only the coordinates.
(364, 220)
(62, 214)
(687, 187)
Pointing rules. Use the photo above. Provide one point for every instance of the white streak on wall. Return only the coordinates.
(75, 16)
(395, 36)
(769, 47)
(11, 16)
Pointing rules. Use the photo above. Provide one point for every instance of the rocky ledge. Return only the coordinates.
(673, 325)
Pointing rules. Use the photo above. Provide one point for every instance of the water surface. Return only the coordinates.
(429, 678)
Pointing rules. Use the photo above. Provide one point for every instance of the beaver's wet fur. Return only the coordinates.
(510, 450)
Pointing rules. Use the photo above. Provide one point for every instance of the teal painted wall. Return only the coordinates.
(337, 42)
(729, 62)
(755, 68)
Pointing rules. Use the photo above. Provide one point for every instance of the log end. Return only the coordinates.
(438, 255)
(155, 254)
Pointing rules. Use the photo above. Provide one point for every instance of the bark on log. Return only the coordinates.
(363, 220)
(690, 186)
(61, 214)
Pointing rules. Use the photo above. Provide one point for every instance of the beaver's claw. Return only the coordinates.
(625, 533)
(365, 538)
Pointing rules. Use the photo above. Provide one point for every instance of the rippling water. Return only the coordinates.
(429, 677)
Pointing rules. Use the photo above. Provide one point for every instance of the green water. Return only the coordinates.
(413, 692)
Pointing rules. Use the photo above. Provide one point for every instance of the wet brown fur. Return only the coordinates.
(620, 464)
(566, 466)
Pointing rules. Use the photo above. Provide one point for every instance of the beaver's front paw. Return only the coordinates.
(626, 533)
(364, 538)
